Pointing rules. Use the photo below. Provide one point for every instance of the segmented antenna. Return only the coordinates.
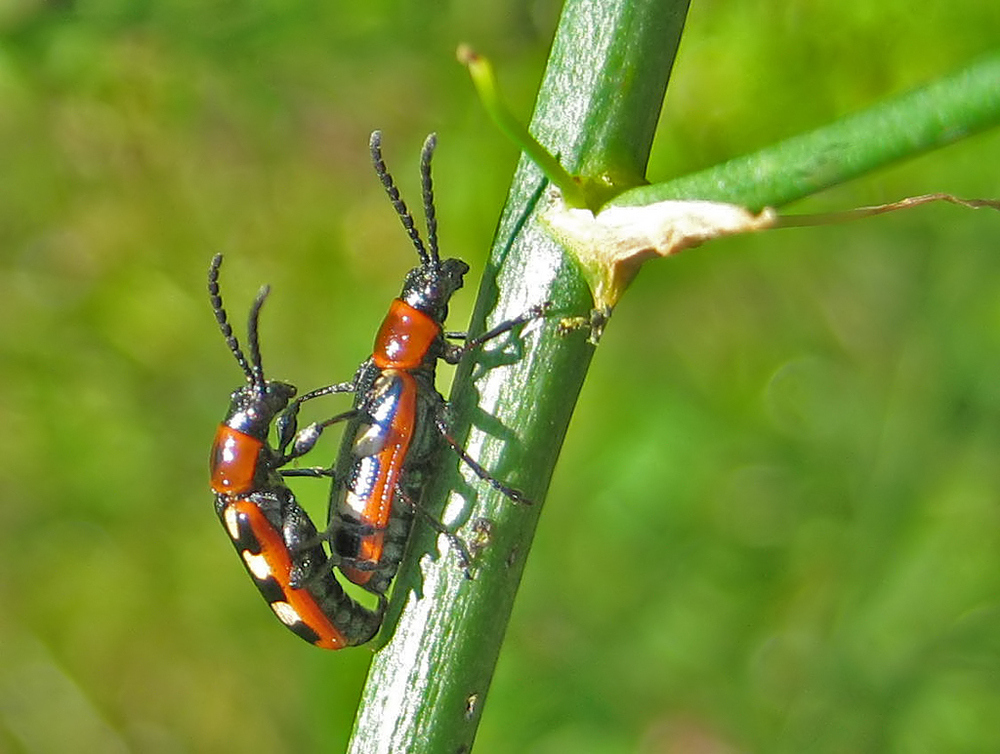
(428, 186)
(215, 297)
(253, 342)
(375, 144)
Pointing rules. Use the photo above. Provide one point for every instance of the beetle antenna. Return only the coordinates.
(375, 144)
(215, 297)
(428, 188)
(253, 342)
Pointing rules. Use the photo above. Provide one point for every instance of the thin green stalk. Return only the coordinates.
(597, 109)
(933, 116)
(481, 71)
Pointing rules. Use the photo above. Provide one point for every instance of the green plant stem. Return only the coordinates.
(940, 113)
(597, 110)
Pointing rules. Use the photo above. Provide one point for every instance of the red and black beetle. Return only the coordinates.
(274, 536)
(391, 442)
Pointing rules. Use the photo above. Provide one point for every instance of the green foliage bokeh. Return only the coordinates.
(775, 523)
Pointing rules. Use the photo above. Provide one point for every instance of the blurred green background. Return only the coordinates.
(774, 527)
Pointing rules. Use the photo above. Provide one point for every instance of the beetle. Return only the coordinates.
(274, 536)
(392, 440)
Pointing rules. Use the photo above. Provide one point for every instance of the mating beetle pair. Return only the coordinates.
(392, 437)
